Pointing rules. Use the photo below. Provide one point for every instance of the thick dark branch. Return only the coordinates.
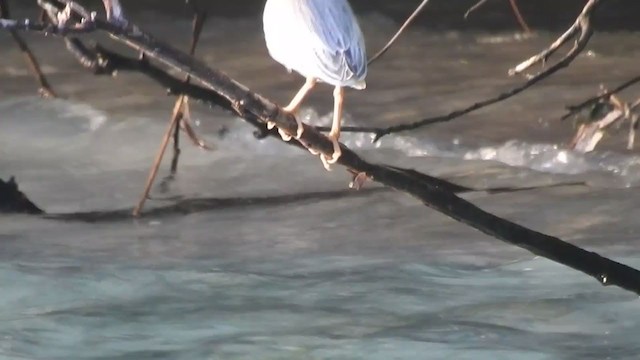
(256, 108)
(395, 37)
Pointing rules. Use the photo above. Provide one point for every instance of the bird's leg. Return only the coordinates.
(293, 107)
(334, 135)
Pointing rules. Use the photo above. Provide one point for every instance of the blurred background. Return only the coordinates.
(495, 14)
(439, 14)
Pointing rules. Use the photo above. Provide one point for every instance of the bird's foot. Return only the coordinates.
(293, 111)
(283, 134)
(326, 161)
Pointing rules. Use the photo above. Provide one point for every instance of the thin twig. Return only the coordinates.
(514, 6)
(395, 37)
(516, 11)
(45, 89)
(475, 7)
(175, 118)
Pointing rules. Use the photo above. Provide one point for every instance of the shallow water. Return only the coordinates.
(365, 276)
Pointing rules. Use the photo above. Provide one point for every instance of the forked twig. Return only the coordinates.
(179, 115)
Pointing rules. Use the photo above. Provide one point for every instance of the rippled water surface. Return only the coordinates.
(327, 273)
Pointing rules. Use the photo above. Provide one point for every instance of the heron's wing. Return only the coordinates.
(338, 40)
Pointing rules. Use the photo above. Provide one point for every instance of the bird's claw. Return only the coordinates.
(270, 125)
(284, 135)
(337, 152)
(292, 111)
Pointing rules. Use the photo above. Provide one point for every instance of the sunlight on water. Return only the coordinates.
(554, 159)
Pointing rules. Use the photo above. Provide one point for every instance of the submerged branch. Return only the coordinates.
(573, 109)
(258, 110)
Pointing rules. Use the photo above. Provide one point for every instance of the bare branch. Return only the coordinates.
(581, 26)
(516, 11)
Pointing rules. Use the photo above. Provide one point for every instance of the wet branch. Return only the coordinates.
(258, 110)
(581, 31)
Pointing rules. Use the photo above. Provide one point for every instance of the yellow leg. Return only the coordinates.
(300, 96)
(334, 135)
(293, 107)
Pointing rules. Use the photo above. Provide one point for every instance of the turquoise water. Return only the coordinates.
(311, 308)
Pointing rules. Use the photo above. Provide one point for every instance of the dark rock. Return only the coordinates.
(13, 201)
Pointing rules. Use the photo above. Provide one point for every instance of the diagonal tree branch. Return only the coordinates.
(258, 110)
